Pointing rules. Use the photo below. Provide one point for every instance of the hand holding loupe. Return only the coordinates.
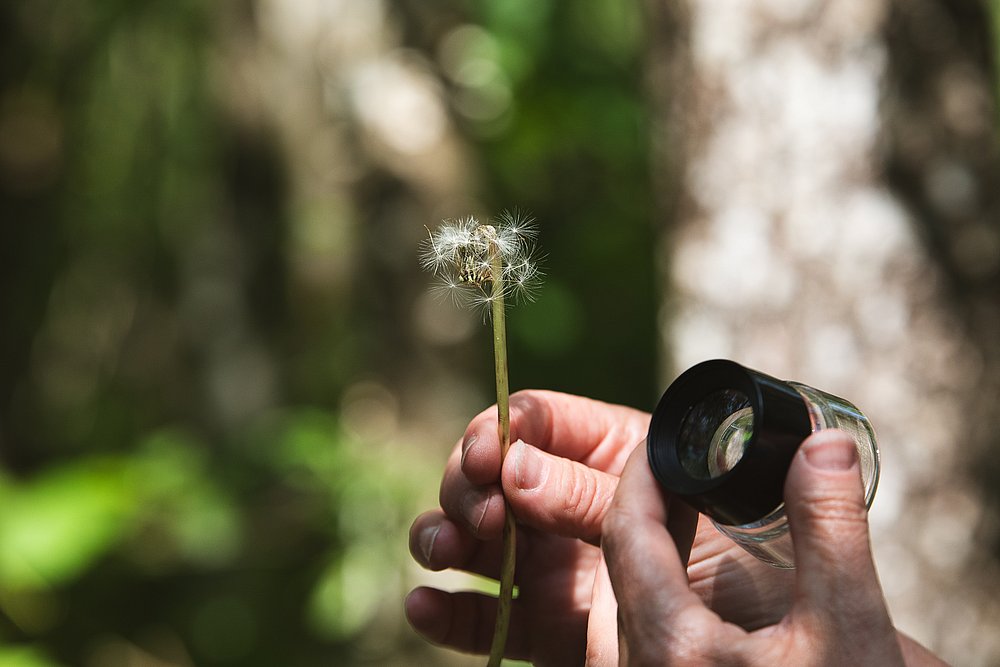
(723, 436)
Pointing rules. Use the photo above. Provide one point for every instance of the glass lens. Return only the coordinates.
(729, 442)
(715, 433)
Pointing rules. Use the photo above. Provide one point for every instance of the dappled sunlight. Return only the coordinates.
(227, 387)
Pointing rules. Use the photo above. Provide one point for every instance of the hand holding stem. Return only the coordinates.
(494, 262)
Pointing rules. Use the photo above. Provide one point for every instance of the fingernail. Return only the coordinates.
(427, 537)
(467, 444)
(831, 453)
(474, 505)
(529, 468)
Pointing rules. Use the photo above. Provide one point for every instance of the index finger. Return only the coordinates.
(598, 434)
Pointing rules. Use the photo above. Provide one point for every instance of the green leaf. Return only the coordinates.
(24, 656)
(55, 526)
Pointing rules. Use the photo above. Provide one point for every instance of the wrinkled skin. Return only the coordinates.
(838, 615)
(561, 479)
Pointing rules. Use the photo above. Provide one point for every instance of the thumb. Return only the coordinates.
(556, 495)
(824, 500)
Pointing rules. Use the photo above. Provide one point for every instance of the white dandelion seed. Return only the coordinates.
(484, 266)
(469, 257)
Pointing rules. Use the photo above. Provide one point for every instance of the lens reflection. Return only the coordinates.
(715, 434)
(729, 442)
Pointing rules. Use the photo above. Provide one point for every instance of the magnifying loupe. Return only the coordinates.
(723, 436)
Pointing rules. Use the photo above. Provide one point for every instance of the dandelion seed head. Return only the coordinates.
(518, 224)
(449, 288)
(482, 301)
(465, 254)
(431, 256)
(517, 232)
(524, 280)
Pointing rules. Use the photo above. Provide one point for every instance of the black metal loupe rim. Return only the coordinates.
(754, 487)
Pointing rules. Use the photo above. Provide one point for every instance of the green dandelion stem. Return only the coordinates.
(503, 430)
(488, 265)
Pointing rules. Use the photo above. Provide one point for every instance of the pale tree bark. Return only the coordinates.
(788, 249)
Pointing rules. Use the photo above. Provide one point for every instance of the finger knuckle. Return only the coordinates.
(527, 401)
(531, 402)
(584, 499)
(523, 395)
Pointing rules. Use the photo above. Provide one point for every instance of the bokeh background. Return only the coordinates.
(225, 389)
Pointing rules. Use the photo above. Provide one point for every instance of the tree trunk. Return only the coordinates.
(789, 249)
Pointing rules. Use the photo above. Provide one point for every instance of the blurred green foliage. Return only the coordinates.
(574, 149)
(177, 480)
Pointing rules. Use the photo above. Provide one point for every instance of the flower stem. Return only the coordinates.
(503, 430)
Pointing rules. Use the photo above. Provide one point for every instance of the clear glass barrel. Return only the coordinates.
(768, 539)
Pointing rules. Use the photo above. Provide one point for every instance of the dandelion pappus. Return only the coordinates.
(481, 264)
